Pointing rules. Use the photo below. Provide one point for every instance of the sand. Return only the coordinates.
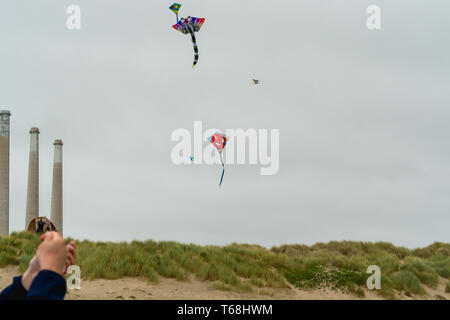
(140, 289)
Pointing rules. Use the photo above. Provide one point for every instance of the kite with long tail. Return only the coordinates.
(219, 141)
(187, 25)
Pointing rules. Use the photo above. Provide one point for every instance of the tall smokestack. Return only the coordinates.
(57, 186)
(33, 178)
(4, 172)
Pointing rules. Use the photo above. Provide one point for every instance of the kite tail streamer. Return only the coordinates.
(194, 43)
(223, 169)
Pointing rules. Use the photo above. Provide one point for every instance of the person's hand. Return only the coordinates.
(52, 254)
(30, 273)
(34, 267)
(70, 250)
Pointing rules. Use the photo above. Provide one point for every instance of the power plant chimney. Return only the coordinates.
(4, 171)
(57, 186)
(33, 178)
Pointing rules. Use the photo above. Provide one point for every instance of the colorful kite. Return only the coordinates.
(175, 8)
(188, 25)
(219, 141)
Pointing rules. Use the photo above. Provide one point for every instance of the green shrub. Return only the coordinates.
(441, 264)
(423, 271)
(318, 277)
(407, 282)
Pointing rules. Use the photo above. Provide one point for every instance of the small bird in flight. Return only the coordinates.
(255, 81)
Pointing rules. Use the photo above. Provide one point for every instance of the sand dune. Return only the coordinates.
(140, 289)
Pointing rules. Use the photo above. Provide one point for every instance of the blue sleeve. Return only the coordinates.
(15, 291)
(47, 285)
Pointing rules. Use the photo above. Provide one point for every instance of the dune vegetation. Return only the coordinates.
(334, 265)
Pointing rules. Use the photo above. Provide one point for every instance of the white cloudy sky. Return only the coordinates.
(363, 118)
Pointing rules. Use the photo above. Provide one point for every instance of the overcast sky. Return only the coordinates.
(363, 118)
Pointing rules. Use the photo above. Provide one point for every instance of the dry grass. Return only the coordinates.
(336, 265)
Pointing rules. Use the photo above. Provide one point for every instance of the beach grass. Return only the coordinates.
(334, 265)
